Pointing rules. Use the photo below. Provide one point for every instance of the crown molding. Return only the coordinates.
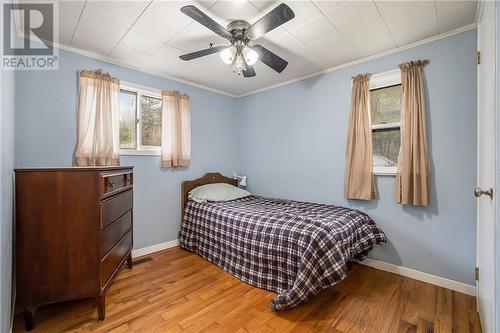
(362, 60)
(305, 77)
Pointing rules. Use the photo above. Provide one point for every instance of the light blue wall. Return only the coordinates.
(46, 136)
(6, 194)
(293, 139)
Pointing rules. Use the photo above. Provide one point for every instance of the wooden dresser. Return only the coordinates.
(73, 233)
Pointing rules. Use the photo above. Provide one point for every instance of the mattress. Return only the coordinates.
(293, 248)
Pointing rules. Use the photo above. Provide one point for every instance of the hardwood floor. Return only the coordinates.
(177, 291)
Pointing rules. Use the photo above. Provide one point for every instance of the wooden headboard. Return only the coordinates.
(208, 178)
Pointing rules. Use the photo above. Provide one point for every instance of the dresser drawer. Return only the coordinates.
(114, 232)
(115, 257)
(116, 206)
(115, 182)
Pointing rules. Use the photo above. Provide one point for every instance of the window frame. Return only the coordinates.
(140, 150)
(378, 81)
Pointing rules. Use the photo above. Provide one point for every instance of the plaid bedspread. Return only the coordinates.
(293, 248)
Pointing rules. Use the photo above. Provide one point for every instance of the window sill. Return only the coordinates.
(384, 171)
(384, 174)
(126, 152)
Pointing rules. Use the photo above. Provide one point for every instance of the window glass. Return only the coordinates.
(385, 104)
(386, 143)
(128, 109)
(150, 121)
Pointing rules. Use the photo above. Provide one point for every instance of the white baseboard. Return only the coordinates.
(383, 266)
(421, 276)
(154, 248)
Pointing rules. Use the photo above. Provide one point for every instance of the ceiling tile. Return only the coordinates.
(297, 63)
(314, 30)
(124, 53)
(331, 51)
(163, 19)
(275, 33)
(240, 84)
(363, 27)
(140, 42)
(357, 15)
(328, 5)
(286, 41)
(199, 64)
(196, 37)
(265, 5)
(168, 52)
(69, 12)
(304, 11)
(152, 64)
(409, 21)
(132, 56)
(227, 11)
(104, 23)
(217, 70)
(452, 15)
(298, 66)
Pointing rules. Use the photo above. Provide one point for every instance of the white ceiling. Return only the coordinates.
(152, 34)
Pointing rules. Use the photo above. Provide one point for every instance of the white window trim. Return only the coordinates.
(377, 81)
(140, 150)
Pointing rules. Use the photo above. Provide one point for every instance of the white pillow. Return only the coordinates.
(217, 192)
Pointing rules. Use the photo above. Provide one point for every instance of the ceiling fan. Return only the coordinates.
(240, 54)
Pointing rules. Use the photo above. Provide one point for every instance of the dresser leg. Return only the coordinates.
(129, 261)
(101, 307)
(29, 317)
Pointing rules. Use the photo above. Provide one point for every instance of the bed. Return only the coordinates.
(293, 248)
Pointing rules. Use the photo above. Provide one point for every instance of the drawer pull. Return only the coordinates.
(115, 182)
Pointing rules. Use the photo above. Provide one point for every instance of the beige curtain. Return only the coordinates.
(359, 182)
(176, 130)
(98, 120)
(412, 177)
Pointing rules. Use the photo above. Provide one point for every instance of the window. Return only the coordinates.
(140, 120)
(385, 104)
(151, 121)
(128, 107)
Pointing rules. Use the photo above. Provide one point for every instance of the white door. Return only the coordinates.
(486, 168)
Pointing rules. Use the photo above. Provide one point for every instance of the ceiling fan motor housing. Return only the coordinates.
(237, 28)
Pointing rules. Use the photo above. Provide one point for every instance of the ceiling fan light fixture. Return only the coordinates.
(227, 55)
(250, 55)
(239, 64)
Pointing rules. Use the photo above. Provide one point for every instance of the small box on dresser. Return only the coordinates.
(74, 230)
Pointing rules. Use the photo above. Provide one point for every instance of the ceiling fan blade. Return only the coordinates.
(270, 59)
(271, 20)
(202, 53)
(205, 20)
(249, 72)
